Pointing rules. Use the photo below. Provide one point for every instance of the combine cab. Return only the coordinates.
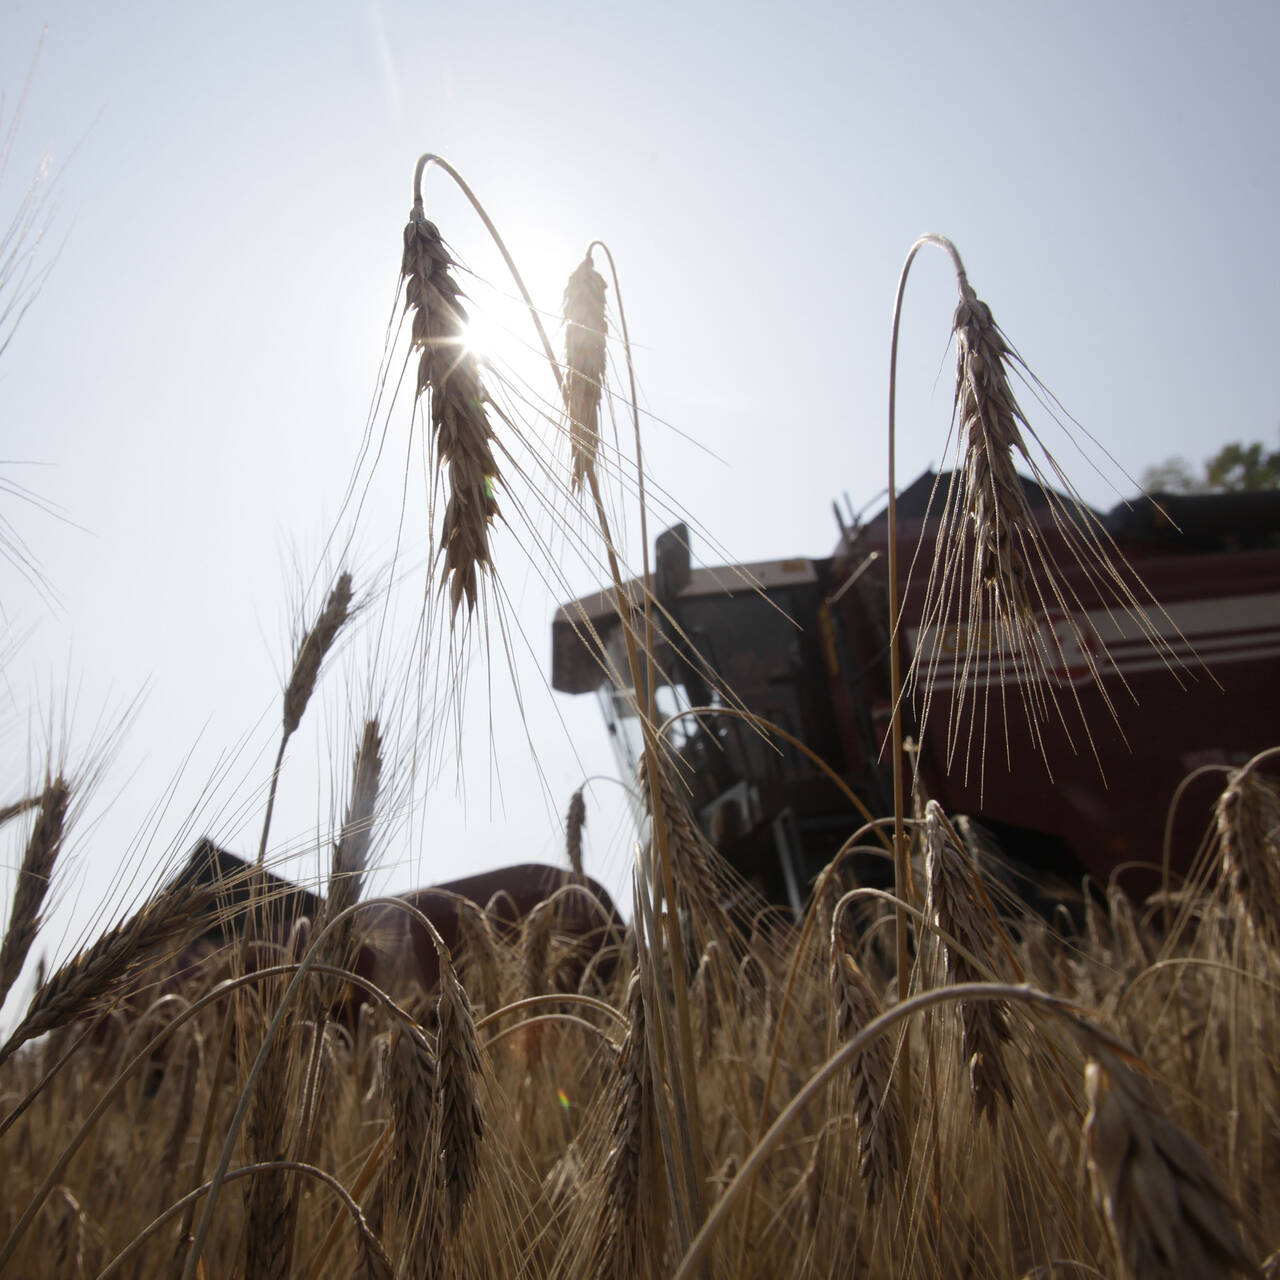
(804, 643)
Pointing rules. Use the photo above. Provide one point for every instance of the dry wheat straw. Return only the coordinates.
(34, 874)
(1166, 1209)
(99, 971)
(585, 330)
(459, 422)
(574, 822)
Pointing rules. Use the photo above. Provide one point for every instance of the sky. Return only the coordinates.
(226, 192)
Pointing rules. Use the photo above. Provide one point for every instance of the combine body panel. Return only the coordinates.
(805, 643)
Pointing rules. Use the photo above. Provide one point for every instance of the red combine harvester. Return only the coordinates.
(804, 643)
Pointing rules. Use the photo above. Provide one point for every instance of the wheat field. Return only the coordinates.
(936, 1082)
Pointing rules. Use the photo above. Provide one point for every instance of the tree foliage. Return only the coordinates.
(1235, 468)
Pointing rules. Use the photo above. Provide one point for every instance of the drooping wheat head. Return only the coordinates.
(1005, 611)
(34, 875)
(460, 428)
(585, 330)
(1167, 1212)
(410, 1082)
(955, 905)
(458, 1071)
(1248, 822)
(574, 822)
(101, 969)
(877, 1115)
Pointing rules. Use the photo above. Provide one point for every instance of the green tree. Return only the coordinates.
(1234, 468)
(1173, 475)
(1243, 466)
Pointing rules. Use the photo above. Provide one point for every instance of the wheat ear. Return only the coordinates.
(270, 1206)
(877, 1114)
(574, 822)
(956, 906)
(34, 874)
(585, 330)
(1166, 1210)
(99, 971)
(478, 953)
(458, 1070)
(619, 1237)
(459, 423)
(411, 1085)
(351, 850)
(1248, 821)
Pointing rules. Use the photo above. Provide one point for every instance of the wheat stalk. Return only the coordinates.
(34, 875)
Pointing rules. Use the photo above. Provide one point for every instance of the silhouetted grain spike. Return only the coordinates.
(458, 418)
(573, 825)
(98, 972)
(312, 652)
(33, 882)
